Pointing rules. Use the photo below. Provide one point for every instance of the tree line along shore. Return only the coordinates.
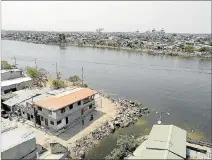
(153, 43)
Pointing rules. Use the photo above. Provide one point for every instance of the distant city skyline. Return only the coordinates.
(125, 16)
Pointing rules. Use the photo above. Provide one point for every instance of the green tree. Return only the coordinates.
(126, 144)
(32, 72)
(57, 84)
(39, 76)
(189, 49)
(204, 49)
(5, 65)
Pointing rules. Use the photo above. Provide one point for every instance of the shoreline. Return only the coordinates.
(139, 51)
(127, 113)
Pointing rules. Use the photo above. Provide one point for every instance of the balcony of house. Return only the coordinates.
(88, 100)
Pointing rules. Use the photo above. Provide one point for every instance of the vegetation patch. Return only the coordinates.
(5, 65)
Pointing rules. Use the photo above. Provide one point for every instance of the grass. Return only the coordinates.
(141, 121)
(196, 135)
(49, 82)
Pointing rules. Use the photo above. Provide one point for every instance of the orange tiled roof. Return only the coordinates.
(55, 103)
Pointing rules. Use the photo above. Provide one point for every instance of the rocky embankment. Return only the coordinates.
(128, 113)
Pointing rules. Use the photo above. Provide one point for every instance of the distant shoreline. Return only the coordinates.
(173, 54)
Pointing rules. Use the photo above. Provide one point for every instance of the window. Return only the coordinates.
(32, 116)
(41, 118)
(71, 106)
(58, 122)
(39, 108)
(90, 106)
(63, 110)
(79, 103)
(23, 113)
(52, 122)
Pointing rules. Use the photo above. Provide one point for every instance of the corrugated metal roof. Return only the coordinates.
(164, 142)
(23, 95)
(168, 137)
(15, 81)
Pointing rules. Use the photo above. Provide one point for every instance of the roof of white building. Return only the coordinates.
(10, 70)
(23, 95)
(63, 99)
(15, 81)
(164, 142)
(12, 135)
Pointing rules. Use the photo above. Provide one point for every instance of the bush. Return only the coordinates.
(126, 144)
(32, 72)
(39, 76)
(189, 49)
(57, 84)
(204, 49)
(84, 85)
(74, 78)
(5, 65)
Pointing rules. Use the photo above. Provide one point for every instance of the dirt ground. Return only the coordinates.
(102, 114)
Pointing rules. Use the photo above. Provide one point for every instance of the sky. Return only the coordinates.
(120, 16)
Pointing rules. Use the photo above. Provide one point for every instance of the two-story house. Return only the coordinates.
(61, 110)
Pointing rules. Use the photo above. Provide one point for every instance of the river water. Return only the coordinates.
(179, 86)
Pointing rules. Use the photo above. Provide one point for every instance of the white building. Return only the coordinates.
(56, 111)
(14, 80)
(17, 142)
(15, 84)
(11, 74)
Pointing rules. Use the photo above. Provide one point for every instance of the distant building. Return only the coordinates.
(57, 111)
(17, 142)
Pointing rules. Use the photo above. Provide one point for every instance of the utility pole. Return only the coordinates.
(14, 60)
(82, 75)
(57, 71)
(36, 64)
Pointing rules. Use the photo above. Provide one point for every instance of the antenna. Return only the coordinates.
(162, 113)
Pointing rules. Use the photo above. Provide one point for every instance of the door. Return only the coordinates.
(38, 120)
(66, 120)
(28, 116)
(46, 121)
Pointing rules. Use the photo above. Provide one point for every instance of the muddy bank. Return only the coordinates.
(127, 114)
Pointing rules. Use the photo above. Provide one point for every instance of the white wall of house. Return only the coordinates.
(12, 74)
(18, 87)
(55, 116)
(62, 124)
(20, 151)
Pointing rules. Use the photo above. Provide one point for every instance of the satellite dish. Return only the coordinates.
(159, 122)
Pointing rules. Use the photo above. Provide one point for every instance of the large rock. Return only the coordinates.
(82, 154)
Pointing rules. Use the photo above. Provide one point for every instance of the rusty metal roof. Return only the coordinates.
(55, 103)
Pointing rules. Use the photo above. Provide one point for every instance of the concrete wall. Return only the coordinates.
(18, 87)
(20, 151)
(11, 75)
(28, 109)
